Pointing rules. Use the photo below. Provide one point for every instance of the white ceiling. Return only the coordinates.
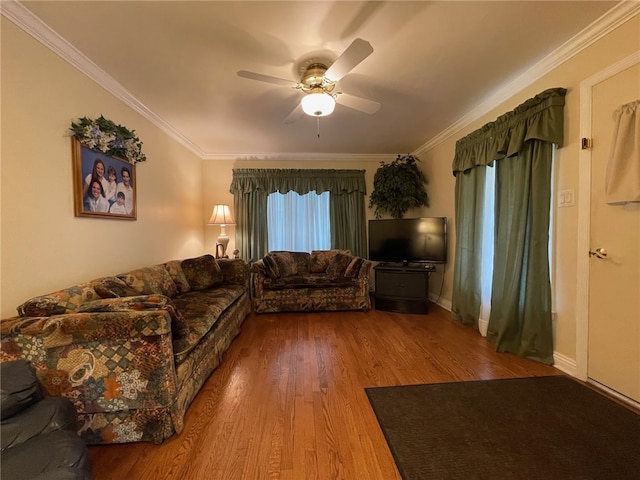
(433, 63)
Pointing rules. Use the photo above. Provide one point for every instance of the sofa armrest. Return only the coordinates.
(179, 327)
(258, 276)
(258, 267)
(19, 388)
(102, 362)
(76, 328)
(235, 271)
(365, 269)
(364, 276)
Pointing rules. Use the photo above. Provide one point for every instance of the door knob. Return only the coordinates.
(599, 253)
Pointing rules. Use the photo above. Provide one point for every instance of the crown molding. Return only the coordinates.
(17, 13)
(307, 157)
(40, 31)
(14, 11)
(608, 22)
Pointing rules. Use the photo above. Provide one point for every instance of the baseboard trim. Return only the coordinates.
(565, 364)
(446, 304)
(618, 396)
(561, 362)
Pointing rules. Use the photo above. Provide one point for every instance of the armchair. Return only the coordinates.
(38, 434)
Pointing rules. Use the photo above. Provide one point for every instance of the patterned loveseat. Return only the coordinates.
(132, 351)
(302, 281)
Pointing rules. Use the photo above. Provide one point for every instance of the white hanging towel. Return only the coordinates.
(622, 180)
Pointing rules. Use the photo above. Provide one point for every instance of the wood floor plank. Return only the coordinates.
(289, 401)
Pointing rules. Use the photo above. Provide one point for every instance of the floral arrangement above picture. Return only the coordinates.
(105, 136)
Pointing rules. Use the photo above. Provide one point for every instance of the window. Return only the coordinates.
(488, 239)
(298, 223)
(487, 248)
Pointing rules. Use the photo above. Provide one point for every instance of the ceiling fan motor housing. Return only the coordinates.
(313, 78)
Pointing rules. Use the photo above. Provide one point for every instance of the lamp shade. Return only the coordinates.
(318, 104)
(221, 215)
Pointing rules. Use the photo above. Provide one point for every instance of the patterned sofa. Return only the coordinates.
(302, 281)
(132, 351)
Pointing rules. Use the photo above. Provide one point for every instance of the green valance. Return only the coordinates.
(302, 181)
(540, 117)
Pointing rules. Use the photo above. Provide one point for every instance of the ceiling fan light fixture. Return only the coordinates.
(318, 104)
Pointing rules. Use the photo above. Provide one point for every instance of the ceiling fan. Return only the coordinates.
(318, 82)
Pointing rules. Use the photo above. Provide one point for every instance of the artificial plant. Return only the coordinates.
(398, 186)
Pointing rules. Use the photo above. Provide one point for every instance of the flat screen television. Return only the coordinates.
(408, 240)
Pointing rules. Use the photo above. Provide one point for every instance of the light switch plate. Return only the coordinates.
(566, 198)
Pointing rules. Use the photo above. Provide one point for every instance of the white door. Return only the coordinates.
(614, 267)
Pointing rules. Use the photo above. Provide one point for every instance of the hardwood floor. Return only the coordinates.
(288, 401)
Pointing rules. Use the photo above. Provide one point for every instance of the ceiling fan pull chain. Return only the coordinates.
(318, 126)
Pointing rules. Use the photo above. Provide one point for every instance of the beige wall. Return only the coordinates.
(436, 163)
(617, 45)
(218, 174)
(44, 246)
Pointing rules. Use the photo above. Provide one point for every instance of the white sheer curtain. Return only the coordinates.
(298, 223)
(487, 250)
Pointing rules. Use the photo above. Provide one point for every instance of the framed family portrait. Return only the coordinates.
(103, 186)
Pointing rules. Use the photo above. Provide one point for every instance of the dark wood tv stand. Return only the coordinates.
(402, 287)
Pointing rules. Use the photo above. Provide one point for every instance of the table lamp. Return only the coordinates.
(221, 215)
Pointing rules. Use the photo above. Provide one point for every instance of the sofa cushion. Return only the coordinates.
(308, 281)
(320, 259)
(150, 280)
(201, 309)
(353, 269)
(202, 272)
(287, 265)
(302, 261)
(270, 267)
(338, 265)
(113, 287)
(63, 301)
(174, 267)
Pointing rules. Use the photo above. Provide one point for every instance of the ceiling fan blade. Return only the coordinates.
(267, 78)
(358, 103)
(295, 114)
(352, 56)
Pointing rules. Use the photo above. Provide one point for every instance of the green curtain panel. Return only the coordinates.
(520, 143)
(348, 223)
(251, 224)
(467, 268)
(520, 320)
(251, 187)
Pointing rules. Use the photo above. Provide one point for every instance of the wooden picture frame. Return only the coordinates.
(94, 195)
